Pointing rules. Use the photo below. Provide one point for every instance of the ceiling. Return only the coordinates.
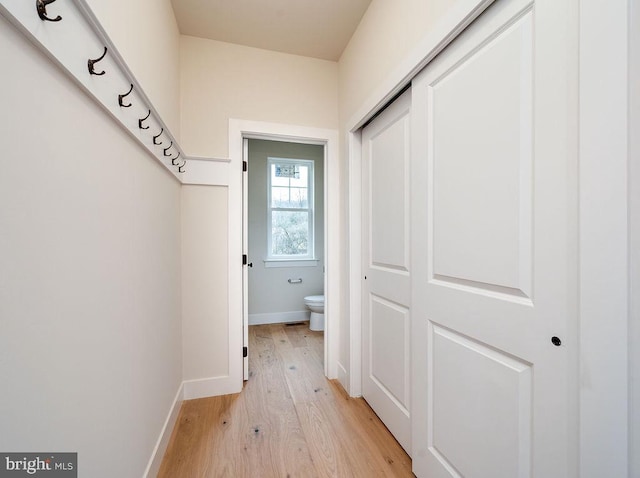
(314, 28)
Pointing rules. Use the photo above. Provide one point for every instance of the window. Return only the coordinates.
(290, 214)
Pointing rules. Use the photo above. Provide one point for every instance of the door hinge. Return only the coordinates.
(245, 166)
(244, 259)
(245, 352)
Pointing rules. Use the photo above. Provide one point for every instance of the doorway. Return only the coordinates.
(283, 239)
(238, 131)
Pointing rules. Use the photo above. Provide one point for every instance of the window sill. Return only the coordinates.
(291, 262)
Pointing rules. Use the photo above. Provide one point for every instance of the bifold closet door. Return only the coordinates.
(493, 262)
(386, 289)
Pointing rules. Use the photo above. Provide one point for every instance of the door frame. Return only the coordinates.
(238, 131)
(601, 348)
(634, 239)
(605, 341)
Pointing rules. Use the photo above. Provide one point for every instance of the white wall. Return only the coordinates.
(269, 289)
(221, 81)
(146, 34)
(90, 348)
(387, 32)
(205, 310)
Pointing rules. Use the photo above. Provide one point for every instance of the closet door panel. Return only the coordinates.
(492, 267)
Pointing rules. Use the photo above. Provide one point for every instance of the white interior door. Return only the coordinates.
(245, 252)
(386, 287)
(493, 255)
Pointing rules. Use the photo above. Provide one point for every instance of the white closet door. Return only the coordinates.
(386, 278)
(493, 249)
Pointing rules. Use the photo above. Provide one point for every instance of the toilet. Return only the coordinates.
(315, 303)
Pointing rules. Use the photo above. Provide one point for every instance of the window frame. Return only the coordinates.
(272, 260)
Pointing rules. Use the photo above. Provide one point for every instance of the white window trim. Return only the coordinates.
(292, 261)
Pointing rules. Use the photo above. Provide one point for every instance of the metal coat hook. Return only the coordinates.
(90, 64)
(184, 163)
(121, 97)
(167, 149)
(41, 7)
(157, 136)
(142, 119)
(173, 160)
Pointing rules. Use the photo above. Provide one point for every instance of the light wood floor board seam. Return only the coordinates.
(289, 421)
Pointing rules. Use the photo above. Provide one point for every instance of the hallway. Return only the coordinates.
(289, 420)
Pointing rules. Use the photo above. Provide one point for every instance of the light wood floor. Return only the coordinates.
(289, 421)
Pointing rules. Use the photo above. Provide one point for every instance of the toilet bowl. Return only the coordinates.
(315, 303)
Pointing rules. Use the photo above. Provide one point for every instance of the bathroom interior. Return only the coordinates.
(286, 235)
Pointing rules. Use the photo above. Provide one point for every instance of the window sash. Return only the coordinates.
(308, 210)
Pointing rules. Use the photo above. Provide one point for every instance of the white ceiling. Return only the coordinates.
(315, 28)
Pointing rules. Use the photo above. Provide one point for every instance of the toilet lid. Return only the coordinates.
(314, 298)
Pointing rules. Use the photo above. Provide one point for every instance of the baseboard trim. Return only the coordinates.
(211, 387)
(163, 440)
(278, 317)
(343, 377)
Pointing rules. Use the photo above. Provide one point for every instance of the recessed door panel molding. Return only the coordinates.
(470, 380)
(389, 214)
(389, 349)
(481, 207)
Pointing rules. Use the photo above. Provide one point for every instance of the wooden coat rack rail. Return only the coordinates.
(69, 33)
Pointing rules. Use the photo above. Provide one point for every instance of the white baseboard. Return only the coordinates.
(163, 440)
(279, 317)
(188, 390)
(343, 377)
(211, 387)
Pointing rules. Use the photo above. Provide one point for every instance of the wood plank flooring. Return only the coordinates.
(289, 421)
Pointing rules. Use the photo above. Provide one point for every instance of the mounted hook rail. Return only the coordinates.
(121, 97)
(157, 136)
(91, 63)
(167, 149)
(142, 119)
(81, 48)
(41, 7)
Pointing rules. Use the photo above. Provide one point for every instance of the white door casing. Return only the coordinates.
(386, 274)
(238, 131)
(245, 253)
(494, 276)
